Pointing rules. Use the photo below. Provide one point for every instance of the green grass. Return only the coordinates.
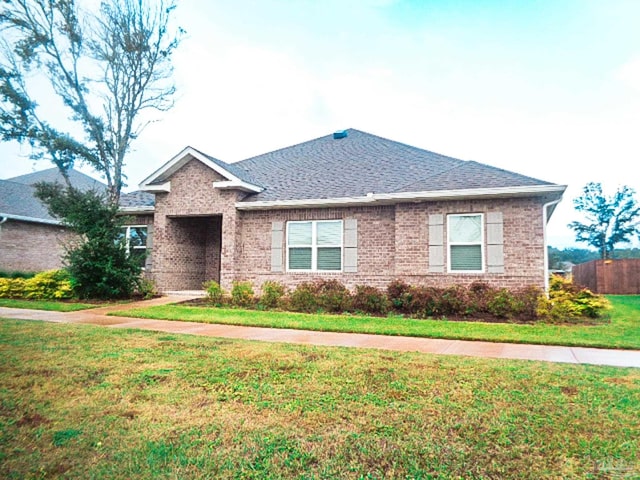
(51, 305)
(78, 401)
(622, 331)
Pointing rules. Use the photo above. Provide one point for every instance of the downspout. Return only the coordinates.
(545, 219)
(2, 220)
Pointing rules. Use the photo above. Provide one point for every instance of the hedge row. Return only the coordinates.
(49, 285)
(565, 302)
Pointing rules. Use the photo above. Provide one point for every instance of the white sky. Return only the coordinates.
(547, 88)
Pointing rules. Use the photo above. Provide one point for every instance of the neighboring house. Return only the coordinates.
(351, 206)
(30, 239)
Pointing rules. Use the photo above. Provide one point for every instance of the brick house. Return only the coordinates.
(31, 240)
(351, 206)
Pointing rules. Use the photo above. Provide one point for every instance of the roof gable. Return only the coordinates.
(159, 181)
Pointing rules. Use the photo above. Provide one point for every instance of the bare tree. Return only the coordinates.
(108, 67)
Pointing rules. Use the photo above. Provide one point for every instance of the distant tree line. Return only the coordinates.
(559, 257)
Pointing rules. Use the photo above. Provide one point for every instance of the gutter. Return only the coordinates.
(545, 219)
(22, 218)
(145, 209)
(390, 198)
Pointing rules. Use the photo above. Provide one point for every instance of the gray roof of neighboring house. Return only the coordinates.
(17, 199)
(17, 193)
(363, 163)
(52, 175)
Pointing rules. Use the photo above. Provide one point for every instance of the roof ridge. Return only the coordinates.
(412, 147)
(285, 148)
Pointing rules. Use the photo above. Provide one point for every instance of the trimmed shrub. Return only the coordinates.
(16, 274)
(272, 294)
(527, 300)
(49, 285)
(370, 300)
(146, 288)
(422, 302)
(304, 298)
(569, 303)
(12, 287)
(400, 296)
(503, 304)
(215, 293)
(453, 301)
(333, 296)
(479, 295)
(242, 294)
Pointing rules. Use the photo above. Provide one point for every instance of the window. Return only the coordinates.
(465, 243)
(314, 246)
(134, 239)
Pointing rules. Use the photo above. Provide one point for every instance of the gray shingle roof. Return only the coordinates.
(17, 193)
(78, 179)
(363, 163)
(137, 199)
(18, 199)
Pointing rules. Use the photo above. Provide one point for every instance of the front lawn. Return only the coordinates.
(51, 305)
(622, 331)
(79, 401)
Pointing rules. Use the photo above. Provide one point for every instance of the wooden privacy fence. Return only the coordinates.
(609, 276)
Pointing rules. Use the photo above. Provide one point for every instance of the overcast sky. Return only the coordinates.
(546, 88)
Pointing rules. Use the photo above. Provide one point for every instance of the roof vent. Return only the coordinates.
(340, 134)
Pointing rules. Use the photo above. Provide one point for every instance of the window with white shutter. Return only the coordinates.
(314, 246)
(465, 241)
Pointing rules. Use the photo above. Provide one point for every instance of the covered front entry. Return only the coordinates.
(194, 255)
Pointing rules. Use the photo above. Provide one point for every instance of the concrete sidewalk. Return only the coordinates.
(592, 356)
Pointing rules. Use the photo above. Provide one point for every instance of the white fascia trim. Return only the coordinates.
(385, 198)
(307, 203)
(183, 157)
(162, 188)
(473, 192)
(238, 185)
(136, 209)
(30, 219)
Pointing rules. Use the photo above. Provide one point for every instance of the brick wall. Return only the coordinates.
(195, 230)
(198, 232)
(32, 247)
(393, 243)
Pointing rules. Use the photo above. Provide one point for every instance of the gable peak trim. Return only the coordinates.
(184, 157)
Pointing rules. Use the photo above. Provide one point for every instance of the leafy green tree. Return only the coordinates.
(98, 264)
(108, 67)
(609, 220)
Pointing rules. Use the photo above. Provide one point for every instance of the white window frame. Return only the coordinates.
(481, 242)
(127, 236)
(314, 246)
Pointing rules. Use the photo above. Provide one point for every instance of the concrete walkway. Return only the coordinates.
(592, 356)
